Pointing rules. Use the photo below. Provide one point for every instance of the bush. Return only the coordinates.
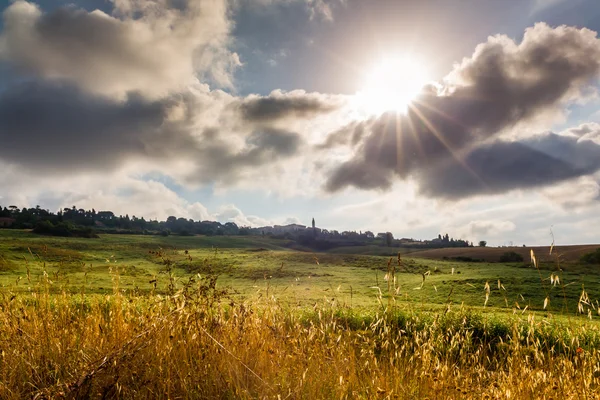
(464, 259)
(511, 256)
(592, 258)
(63, 229)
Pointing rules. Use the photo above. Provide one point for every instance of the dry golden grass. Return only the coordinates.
(193, 344)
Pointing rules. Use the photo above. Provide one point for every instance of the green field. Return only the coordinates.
(253, 267)
(139, 317)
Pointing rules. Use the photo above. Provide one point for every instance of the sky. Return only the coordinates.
(476, 118)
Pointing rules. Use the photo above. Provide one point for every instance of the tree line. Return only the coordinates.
(85, 223)
(108, 222)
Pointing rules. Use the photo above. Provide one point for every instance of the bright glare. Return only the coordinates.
(392, 84)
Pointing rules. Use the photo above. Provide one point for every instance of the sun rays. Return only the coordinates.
(399, 92)
(391, 84)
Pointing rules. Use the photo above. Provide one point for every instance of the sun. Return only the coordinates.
(392, 84)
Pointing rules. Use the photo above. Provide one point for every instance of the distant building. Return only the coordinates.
(315, 229)
(410, 241)
(5, 222)
(105, 215)
(291, 228)
(281, 229)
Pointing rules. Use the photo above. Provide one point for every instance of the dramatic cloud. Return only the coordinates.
(504, 166)
(504, 83)
(219, 162)
(279, 105)
(448, 141)
(149, 46)
(349, 134)
(360, 174)
(52, 128)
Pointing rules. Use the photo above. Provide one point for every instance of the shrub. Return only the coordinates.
(63, 229)
(592, 258)
(465, 259)
(511, 256)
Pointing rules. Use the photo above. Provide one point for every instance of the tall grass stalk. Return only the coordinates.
(196, 343)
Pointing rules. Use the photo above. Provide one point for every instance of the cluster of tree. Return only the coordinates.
(108, 222)
(511, 256)
(25, 218)
(324, 240)
(65, 222)
(447, 241)
(592, 258)
(65, 229)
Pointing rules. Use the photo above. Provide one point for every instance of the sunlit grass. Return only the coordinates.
(195, 343)
(255, 323)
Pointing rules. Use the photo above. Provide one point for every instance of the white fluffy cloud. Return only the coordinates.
(149, 46)
(231, 213)
(575, 196)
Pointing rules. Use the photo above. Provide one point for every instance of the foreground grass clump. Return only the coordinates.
(192, 344)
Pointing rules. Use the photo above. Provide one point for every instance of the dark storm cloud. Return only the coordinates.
(279, 105)
(349, 134)
(502, 85)
(263, 148)
(57, 128)
(360, 174)
(504, 166)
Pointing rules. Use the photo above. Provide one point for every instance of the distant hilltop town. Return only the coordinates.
(313, 235)
(74, 221)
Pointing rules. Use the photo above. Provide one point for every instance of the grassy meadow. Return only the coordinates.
(246, 317)
(251, 267)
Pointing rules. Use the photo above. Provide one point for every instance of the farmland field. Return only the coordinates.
(251, 267)
(246, 317)
(569, 254)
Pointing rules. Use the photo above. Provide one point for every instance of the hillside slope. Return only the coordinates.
(493, 254)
